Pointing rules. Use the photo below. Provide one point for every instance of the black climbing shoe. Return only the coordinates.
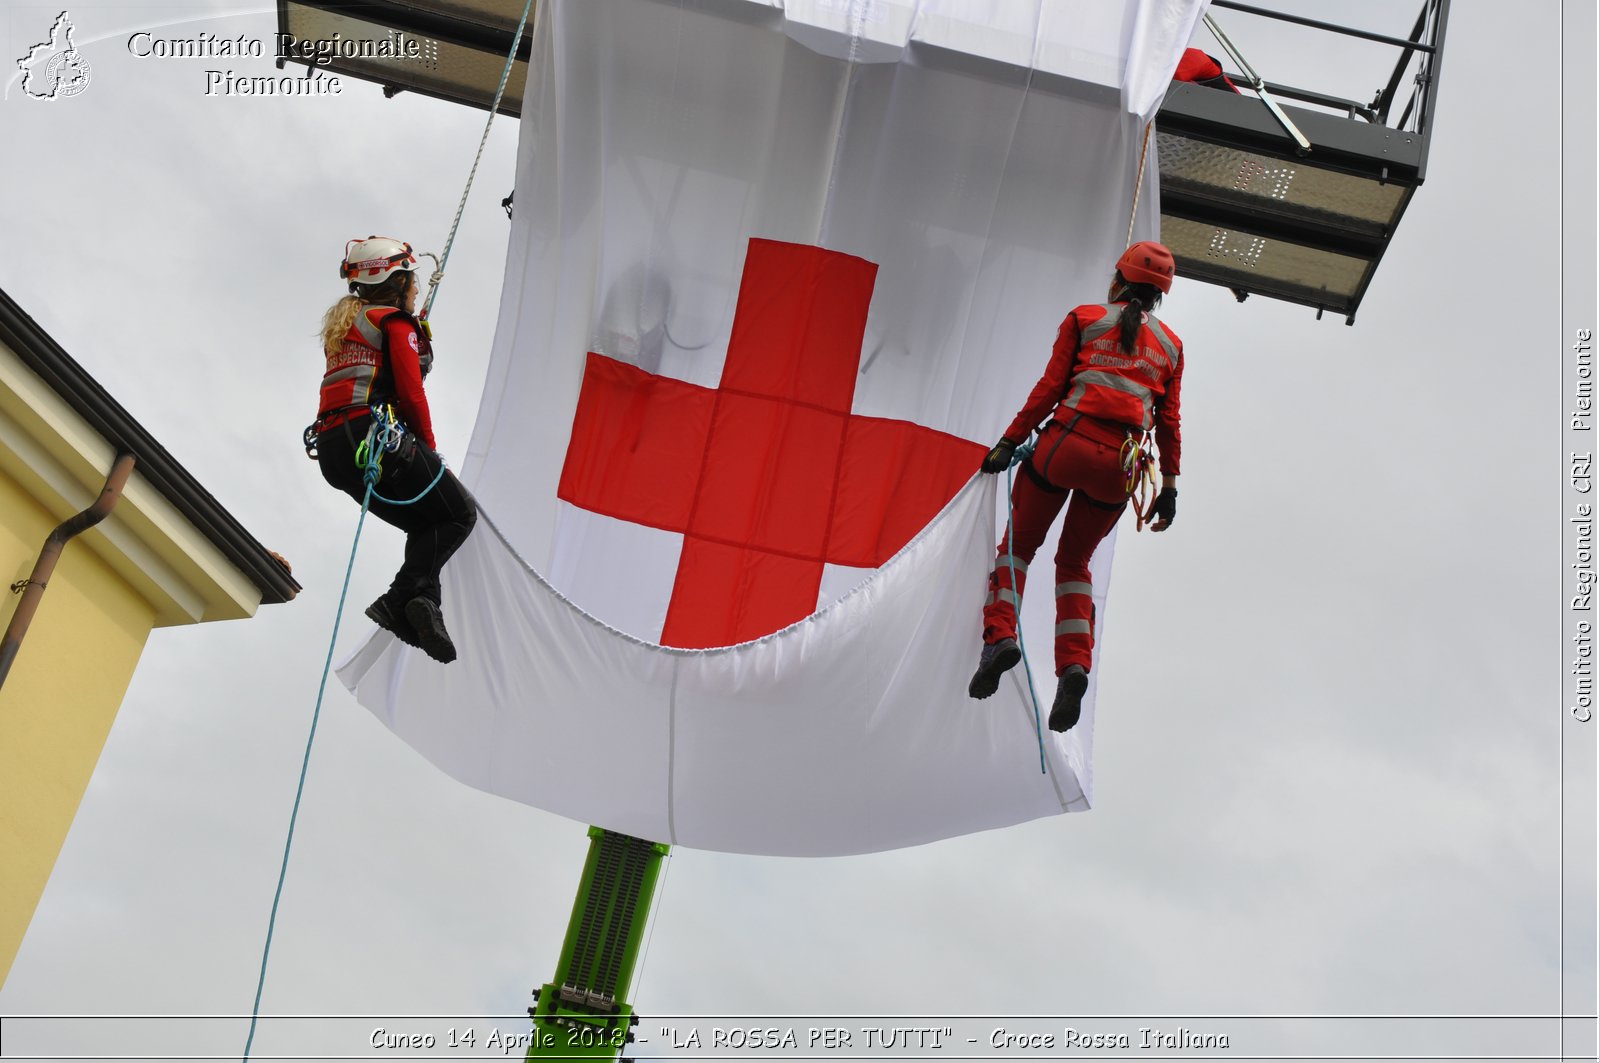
(1069, 698)
(997, 659)
(385, 616)
(428, 621)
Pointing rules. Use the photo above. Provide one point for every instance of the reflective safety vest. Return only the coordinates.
(366, 369)
(1090, 381)
(358, 372)
(1111, 385)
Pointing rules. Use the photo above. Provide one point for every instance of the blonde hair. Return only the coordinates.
(391, 291)
(337, 321)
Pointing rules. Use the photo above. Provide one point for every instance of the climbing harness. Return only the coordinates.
(1023, 452)
(386, 435)
(1138, 477)
(329, 419)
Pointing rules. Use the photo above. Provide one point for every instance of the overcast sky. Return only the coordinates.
(1330, 720)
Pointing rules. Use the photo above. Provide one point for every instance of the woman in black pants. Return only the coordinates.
(377, 354)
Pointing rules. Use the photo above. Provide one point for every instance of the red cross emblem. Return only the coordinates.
(768, 476)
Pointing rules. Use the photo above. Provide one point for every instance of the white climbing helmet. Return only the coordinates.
(374, 259)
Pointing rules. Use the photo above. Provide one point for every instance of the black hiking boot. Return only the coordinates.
(393, 621)
(1069, 698)
(997, 659)
(428, 620)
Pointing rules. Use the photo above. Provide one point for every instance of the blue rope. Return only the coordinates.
(371, 472)
(305, 764)
(371, 477)
(1019, 456)
(384, 437)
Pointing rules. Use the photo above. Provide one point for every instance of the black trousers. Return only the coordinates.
(435, 526)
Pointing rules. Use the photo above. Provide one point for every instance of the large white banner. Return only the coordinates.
(779, 274)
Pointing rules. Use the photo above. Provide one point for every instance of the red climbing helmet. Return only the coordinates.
(1148, 262)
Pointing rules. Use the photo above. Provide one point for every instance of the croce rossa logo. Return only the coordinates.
(54, 69)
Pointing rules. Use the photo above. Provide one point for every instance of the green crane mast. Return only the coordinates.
(581, 1013)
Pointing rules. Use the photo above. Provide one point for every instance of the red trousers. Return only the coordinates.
(1084, 464)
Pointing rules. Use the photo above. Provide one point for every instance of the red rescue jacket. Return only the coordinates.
(379, 360)
(1089, 375)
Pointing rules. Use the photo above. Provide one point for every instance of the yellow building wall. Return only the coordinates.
(58, 702)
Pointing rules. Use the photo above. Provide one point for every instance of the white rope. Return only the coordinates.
(494, 108)
(1138, 183)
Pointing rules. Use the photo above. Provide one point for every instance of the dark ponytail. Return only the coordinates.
(1141, 299)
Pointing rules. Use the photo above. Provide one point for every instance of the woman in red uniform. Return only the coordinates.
(376, 356)
(1113, 374)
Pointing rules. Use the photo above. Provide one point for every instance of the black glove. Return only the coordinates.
(1165, 507)
(999, 459)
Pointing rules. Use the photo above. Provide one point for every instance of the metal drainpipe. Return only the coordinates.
(33, 587)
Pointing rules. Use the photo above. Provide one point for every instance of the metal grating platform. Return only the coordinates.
(463, 45)
(1245, 207)
(1242, 205)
